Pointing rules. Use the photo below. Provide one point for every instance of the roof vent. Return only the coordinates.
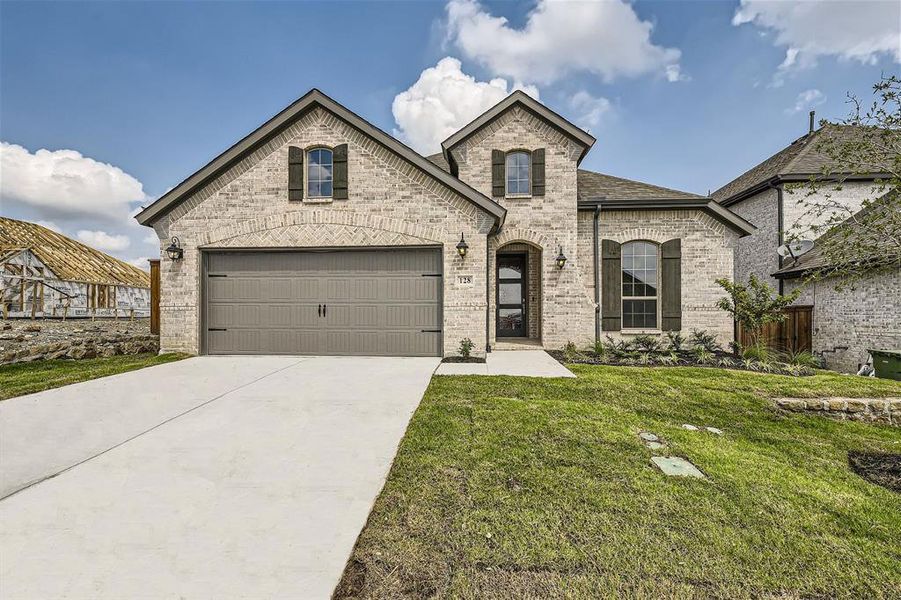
(813, 114)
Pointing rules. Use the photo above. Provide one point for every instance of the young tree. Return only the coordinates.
(855, 242)
(754, 305)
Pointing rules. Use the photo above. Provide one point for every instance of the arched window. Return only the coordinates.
(519, 176)
(319, 173)
(640, 277)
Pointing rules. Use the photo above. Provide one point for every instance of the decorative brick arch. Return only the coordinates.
(321, 228)
(514, 235)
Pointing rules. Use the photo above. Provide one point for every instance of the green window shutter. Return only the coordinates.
(498, 173)
(538, 172)
(339, 172)
(611, 286)
(295, 173)
(671, 284)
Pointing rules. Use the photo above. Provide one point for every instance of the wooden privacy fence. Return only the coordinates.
(794, 334)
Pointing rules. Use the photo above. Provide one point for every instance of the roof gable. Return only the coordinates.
(312, 99)
(69, 260)
(520, 98)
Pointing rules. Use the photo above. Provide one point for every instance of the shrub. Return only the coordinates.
(802, 359)
(466, 347)
(676, 340)
(570, 352)
(703, 339)
(703, 355)
(646, 343)
(618, 348)
(755, 304)
(599, 348)
(758, 352)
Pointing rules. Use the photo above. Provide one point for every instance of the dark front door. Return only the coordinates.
(511, 295)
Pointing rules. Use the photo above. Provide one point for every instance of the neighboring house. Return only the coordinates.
(840, 324)
(320, 234)
(46, 274)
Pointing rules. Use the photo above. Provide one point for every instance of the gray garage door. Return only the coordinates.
(363, 302)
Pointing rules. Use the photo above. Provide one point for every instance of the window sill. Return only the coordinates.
(517, 196)
(641, 331)
(318, 200)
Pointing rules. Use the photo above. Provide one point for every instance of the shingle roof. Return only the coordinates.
(592, 186)
(804, 156)
(857, 226)
(68, 259)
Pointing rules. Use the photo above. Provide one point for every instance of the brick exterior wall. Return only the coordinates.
(756, 253)
(849, 322)
(707, 255)
(796, 209)
(390, 203)
(546, 222)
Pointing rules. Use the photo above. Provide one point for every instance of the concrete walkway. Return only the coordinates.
(252, 477)
(521, 363)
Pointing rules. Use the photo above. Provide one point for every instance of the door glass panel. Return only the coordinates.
(510, 271)
(510, 293)
(509, 318)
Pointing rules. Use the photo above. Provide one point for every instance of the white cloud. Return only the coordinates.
(589, 109)
(50, 225)
(443, 100)
(806, 100)
(104, 241)
(64, 183)
(151, 238)
(604, 37)
(862, 31)
(140, 262)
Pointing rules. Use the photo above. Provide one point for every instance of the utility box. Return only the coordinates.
(887, 364)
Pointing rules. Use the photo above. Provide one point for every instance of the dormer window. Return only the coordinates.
(319, 173)
(519, 173)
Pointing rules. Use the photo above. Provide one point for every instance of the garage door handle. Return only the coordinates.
(319, 310)
(324, 308)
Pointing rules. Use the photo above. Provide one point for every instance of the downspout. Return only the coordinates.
(597, 291)
(780, 217)
(488, 292)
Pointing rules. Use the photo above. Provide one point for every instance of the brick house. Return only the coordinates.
(840, 323)
(320, 234)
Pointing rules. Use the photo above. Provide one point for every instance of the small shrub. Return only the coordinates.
(802, 359)
(466, 347)
(618, 348)
(599, 348)
(676, 340)
(703, 339)
(669, 359)
(758, 352)
(570, 352)
(703, 355)
(726, 363)
(646, 343)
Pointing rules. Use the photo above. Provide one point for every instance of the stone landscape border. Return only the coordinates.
(872, 410)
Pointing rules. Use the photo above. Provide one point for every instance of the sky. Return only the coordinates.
(105, 106)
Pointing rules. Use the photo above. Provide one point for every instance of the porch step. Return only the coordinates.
(519, 344)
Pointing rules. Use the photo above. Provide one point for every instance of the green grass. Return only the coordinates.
(27, 378)
(528, 488)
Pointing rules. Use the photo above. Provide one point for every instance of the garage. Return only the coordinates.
(370, 302)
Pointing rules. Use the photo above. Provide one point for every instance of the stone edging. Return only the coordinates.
(875, 410)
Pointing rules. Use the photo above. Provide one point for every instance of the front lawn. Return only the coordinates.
(27, 378)
(528, 488)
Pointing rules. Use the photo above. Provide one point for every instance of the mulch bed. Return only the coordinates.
(462, 359)
(685, 360)
(881, 469)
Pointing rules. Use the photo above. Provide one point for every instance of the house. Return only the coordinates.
(838, 323)
(320, 234)
(45, 274)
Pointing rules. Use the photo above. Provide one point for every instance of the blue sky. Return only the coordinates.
(681, 94)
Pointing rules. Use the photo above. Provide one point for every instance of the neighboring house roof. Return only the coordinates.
(69, 260)
(797, 162)
(312, 99)
(579, 135)
(615, 193)
(854, 225)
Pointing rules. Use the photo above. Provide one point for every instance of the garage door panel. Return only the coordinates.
(379, 302)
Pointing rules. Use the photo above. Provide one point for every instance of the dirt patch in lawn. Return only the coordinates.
(463, 359)
(878, 468)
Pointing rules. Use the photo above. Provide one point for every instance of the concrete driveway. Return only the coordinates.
(213, 477)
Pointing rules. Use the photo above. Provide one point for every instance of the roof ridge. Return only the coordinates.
(808, 144)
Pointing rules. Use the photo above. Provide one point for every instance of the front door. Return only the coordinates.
(511, 295)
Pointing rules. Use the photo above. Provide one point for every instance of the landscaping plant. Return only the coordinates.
(466, 347)
(754, 305)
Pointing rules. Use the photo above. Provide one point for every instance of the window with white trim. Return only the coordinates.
(519, 173)
(640, 276)
(319, 173)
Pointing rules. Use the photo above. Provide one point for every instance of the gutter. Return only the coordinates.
(708, 205)
(797, 178)
(487, 293)
(597, 292)
(780, 225)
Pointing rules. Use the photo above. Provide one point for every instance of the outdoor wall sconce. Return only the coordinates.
(462, 247)
(174, 251)
(560, 261)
